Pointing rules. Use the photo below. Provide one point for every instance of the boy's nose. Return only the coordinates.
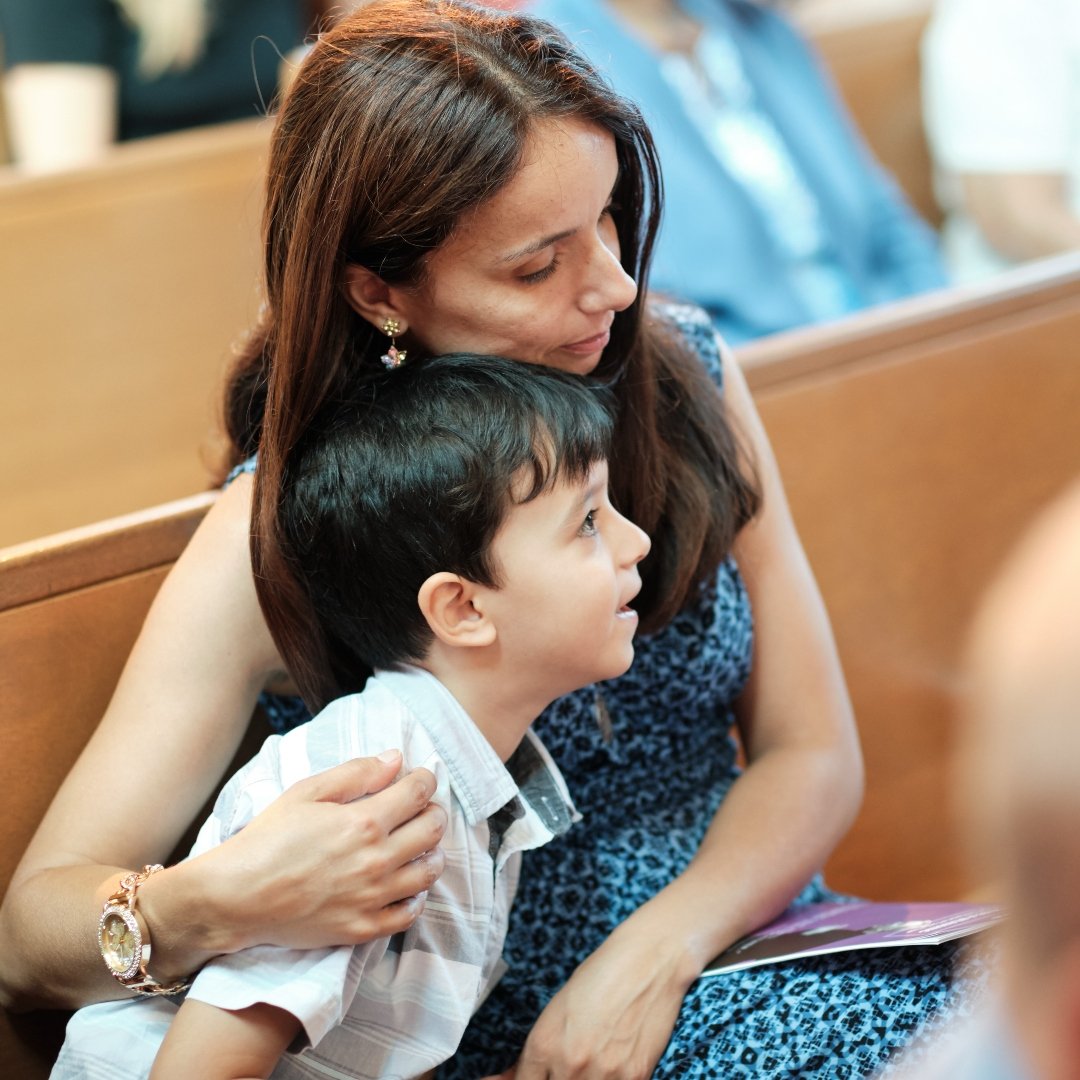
(639, 543)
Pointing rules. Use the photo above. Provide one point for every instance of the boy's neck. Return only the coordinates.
(501, 705)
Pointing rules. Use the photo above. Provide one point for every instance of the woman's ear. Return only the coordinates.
(370, 297)
(448, 603)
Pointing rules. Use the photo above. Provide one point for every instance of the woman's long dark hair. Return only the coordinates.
(404, 116)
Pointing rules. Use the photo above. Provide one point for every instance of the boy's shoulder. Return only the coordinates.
(356, 725)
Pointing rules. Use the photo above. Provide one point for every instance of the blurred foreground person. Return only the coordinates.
(1018, 788)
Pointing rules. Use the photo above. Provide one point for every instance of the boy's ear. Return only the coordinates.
(370, 297)
(447, 603)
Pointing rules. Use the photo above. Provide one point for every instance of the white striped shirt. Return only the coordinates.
(398, 1006)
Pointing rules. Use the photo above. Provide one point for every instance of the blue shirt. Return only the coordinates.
(721, 246)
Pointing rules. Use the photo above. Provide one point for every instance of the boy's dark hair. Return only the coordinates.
(414, 476)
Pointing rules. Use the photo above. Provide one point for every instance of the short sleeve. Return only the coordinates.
(316, 986)
(996, 84)
(247, 793)
(60, 31)
(694, 325)
(247, 467)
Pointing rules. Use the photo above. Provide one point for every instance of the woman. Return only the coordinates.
(445, 178)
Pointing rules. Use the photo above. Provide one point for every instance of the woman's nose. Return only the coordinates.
(609, 287)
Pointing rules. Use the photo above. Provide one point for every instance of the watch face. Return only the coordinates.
(121, 941)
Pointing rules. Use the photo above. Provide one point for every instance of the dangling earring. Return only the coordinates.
(393, 357)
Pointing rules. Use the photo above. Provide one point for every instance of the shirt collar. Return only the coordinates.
(529, 786)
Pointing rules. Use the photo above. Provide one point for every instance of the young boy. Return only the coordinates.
(454, 533)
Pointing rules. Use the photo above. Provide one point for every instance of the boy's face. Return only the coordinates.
(568, 565)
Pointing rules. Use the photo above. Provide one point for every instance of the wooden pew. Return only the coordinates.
(916, 443)
(70, 609)
(71, 606)
(872, 51)
(123, 286)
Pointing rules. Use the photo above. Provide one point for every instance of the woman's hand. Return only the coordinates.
(338, 859)
(615, 1015)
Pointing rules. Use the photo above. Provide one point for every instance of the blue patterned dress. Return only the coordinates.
(649, 758)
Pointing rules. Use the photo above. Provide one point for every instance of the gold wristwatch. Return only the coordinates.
(125, 941)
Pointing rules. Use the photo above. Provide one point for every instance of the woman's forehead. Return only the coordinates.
(567, 167)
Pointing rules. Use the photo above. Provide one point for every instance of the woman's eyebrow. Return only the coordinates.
(537, 245)
(554, 238)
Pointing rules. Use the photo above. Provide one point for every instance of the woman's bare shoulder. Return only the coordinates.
(181, 705)
(211, 589)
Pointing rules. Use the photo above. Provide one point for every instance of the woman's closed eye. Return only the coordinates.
(537, 276)
(543, 273)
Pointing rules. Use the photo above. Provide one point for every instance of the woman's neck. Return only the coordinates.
(661, 23)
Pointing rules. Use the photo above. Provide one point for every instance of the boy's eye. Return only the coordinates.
(588, 526)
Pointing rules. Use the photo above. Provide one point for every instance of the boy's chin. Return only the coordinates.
(614, 670)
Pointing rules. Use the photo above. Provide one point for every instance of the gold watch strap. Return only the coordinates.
(142, 982)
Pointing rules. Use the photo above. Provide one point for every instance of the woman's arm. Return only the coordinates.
(307, 872)
(776, 827)
(219, 1044)
(60, 115)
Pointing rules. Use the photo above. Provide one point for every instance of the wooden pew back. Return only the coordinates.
(124, 286)
(916, 443)
(70, 609)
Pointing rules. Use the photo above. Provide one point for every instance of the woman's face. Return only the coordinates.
(533, 273)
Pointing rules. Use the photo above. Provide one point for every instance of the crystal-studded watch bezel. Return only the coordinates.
(134, 966)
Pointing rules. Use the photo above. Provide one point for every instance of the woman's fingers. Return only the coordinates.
(340, 858)
(396, 828)
(350, 780)
(400, 803)
(369, 783)
(419, 834)
(414, 877)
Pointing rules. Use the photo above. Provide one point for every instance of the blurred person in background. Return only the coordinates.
(81, 75)
(1001, 93)
(776, 213)
(1018, 796)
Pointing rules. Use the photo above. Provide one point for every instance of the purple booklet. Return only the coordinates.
(815, 929)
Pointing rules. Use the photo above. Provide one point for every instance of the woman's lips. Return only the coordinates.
(590, 344)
